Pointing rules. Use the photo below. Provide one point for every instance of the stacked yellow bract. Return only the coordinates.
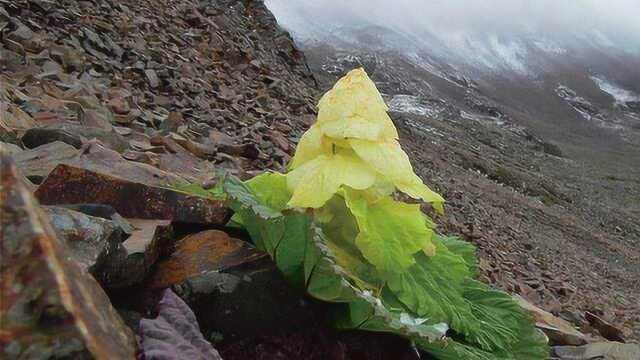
(353, 143)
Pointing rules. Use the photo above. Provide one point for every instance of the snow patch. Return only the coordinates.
(413, 105)
(619, 94)
(549, 46)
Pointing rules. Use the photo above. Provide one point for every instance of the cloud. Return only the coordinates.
(616, 19)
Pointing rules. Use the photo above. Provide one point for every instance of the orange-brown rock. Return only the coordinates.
(210, 250)
(72, 185)
(50, 307)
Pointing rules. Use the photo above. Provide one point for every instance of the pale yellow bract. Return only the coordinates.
(353, 143)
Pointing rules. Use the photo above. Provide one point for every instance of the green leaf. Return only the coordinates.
(340, 231)
(390, 232)
(271, 190)
(463, 248)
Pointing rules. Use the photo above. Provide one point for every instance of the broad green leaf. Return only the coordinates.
(390, 232)
(316, 181)
(462, 248)
(426, 292)
(270, 189)
(388, 159)
(340, 232)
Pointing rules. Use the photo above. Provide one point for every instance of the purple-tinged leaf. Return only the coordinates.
(174, 334)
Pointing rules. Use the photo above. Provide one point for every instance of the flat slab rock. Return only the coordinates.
(38, 162)
(72, 185)
(50, 307)
(598, 351)
(559, 331)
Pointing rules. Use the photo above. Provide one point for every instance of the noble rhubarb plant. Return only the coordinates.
(333, 227)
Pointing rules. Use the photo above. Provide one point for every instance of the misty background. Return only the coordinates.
(567, 70)
(616, 22)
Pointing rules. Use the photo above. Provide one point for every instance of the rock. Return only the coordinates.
(181, 161)
(249, 151)
(40, 136)
(174, 121)
(14, 122)
(102, 211)
(232, 288)
(74, 135)
(200, 150)
(87, 237)
(598, 351)
(205, 251)
(72, 185)
(38, 162)
(605, 329)
(280, 141)
(129, 263)
(25, 37)
(9, 148)
(559, 331)
(145, 157)
(119, 106)
(174, 334)
(97, 158)
(96, 244)
(152, 78)
(51, 308)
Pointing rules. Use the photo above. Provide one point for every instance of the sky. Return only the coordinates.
(618, 20)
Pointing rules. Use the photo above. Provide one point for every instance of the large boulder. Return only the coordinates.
(51, 307)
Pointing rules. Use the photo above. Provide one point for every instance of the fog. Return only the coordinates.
(616, 22)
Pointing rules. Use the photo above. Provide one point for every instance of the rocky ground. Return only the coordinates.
(104, 104)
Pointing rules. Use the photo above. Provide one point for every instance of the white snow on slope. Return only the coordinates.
(619, 94)
(412, 105)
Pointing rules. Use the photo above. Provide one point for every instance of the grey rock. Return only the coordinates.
(38, 162)
(88, 237)
(152, 77)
